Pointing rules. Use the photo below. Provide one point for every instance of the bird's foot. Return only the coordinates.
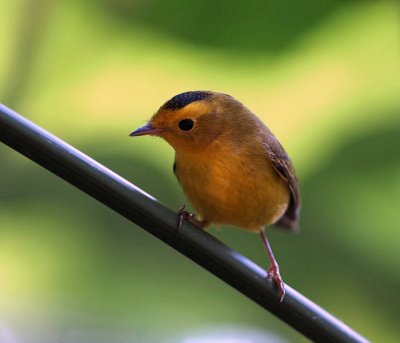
(191, 217)
(273, 272)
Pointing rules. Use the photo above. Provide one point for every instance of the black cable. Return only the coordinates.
(128, 200)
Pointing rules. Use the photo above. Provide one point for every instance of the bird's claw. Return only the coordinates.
(191, 217)
(273, 272)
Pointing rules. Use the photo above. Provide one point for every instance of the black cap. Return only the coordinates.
(183, 99)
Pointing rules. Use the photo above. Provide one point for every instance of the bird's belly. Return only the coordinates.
(234, 194)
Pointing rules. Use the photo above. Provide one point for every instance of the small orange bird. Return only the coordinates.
(230, 165)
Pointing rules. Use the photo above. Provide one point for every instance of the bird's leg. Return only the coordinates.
(191, 217)
(273, 271)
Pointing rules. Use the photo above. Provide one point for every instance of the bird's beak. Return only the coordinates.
(147, 129)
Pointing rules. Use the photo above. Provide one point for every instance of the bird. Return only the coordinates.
(232, 168)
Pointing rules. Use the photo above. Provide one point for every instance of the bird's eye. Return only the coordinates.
(186, 124)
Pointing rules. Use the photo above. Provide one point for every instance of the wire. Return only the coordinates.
(141, 208)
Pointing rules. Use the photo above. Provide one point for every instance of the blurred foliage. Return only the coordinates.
(325, 76)
(245, 26)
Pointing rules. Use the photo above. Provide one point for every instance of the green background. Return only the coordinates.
(323, 75)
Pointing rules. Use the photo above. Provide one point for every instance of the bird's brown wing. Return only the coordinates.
(283, 166)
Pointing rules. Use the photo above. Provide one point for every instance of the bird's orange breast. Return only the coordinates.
(232, 185)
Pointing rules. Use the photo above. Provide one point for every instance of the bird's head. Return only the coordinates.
(192, 120)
